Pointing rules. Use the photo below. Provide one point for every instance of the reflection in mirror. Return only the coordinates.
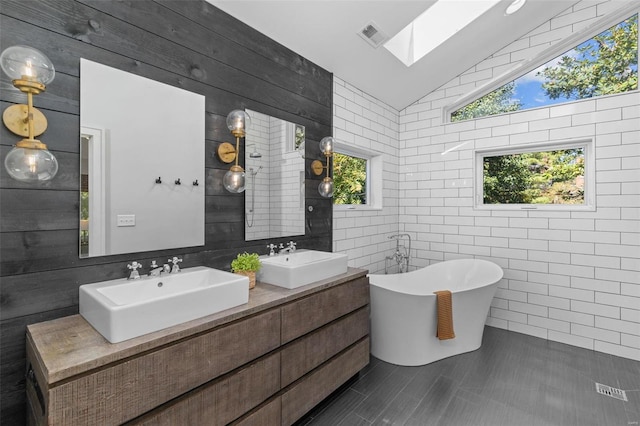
(274, 164)
(142, 152)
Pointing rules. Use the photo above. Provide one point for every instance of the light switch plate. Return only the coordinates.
(126, 220)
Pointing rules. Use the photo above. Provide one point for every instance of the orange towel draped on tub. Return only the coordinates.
(445, 315)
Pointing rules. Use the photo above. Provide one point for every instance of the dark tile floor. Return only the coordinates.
(513, 379)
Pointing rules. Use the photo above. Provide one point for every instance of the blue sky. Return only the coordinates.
(531, 95)
(528, 88)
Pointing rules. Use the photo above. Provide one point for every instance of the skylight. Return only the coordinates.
(433, 27)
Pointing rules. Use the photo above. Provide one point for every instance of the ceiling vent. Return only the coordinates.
(372, 34)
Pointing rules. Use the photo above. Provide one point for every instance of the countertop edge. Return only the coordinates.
(70, 346)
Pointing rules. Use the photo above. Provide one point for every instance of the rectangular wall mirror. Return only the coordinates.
(274, 166)
(142, 163)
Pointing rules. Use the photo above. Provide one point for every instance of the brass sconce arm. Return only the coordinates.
(26, 121)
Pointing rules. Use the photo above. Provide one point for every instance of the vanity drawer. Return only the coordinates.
(140, 384)
(303, 395)
(309, 313)
(308, 352)
(223, 400)
(266, 415)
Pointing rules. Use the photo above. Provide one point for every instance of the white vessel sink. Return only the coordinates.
(123, 309)
(301, 267)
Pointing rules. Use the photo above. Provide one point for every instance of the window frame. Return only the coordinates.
(588, 146)
(374, 177)
(527, 65)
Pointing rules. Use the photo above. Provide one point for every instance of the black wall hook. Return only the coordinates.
(178, 182)
(195, 183)
(159, 180)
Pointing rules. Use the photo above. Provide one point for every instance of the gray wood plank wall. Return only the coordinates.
(188, 44)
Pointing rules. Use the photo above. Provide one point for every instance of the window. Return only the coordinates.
(357, 178)
(550, 176)
(603, 65)
(350, 179)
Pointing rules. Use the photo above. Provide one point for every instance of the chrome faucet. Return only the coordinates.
(402, 254)
(175, 268)
(290, 248)
(134, 275)
(272, 248)
(156, 270)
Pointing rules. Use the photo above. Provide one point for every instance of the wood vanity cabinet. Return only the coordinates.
(265, 363)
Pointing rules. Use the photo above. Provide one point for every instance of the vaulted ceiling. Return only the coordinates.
(326, 32)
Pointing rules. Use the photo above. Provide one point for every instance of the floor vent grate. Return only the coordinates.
(612, 392)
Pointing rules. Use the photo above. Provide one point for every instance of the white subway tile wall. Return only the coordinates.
(259, 218)
(572, 277)
(274, 214)
(363, 121)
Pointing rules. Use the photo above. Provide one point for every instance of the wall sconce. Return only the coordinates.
(31, 71)
(325, 188)
(238, 122)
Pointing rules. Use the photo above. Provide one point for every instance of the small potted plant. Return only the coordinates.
(247, 264)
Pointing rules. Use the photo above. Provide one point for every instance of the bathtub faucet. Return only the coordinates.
(400, 258)
(398, 236)
(402, 254)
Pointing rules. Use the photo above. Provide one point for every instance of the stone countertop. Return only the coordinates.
(69, 346)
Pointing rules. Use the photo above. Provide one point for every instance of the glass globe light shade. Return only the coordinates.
(238, 121)
(19, 62)
(31, 165)
(326, 187)
(326, 145)
(233, 180)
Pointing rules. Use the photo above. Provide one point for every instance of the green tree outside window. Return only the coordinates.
(545, 177)
(349, 179)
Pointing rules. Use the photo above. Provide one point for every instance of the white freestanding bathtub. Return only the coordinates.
(404, 311)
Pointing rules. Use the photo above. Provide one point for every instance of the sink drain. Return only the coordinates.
(612, 392)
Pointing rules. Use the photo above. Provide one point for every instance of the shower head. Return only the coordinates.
(254, 153)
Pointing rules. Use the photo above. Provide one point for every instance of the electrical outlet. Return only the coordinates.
(126, 220)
